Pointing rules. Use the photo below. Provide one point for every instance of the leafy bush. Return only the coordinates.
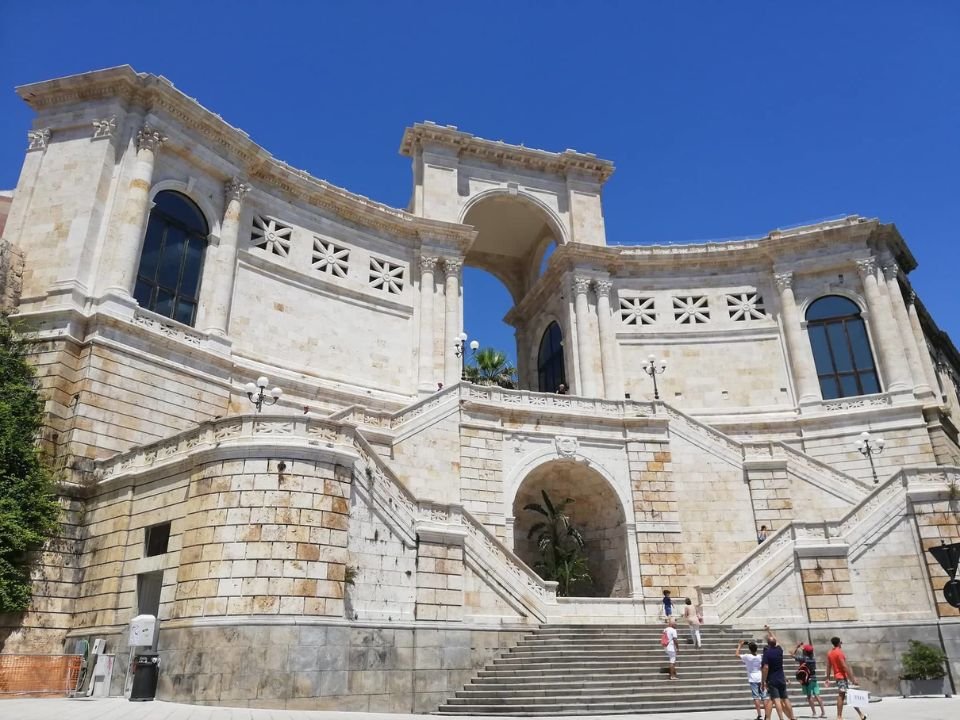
(922, 662)
(28, 503)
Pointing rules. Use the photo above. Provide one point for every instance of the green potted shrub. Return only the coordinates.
(924, 671)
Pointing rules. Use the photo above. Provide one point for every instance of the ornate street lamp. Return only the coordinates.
(653, 367)
(868, 446)
(460, 346)
(256, 393)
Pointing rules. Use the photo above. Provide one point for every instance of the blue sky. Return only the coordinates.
(725, 119)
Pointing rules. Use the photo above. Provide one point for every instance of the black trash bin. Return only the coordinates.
(146, 668)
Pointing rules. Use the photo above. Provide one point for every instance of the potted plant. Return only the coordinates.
(924, 671)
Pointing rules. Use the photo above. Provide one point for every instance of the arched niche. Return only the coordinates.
(596, 512)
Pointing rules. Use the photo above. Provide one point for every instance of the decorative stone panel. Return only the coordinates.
(271, 235)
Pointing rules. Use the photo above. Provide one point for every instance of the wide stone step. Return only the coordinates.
(600, 662)
(574, 681)
(575, 673)
(600, 708)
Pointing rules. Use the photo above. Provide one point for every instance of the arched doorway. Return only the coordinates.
(551, 372)
(514, 234)
(596, 512)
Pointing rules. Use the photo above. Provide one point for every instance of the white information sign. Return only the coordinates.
(142, 629)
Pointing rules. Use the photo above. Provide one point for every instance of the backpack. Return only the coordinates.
(803, 674)
(664, 639)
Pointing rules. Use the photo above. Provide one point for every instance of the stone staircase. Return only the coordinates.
(611, 669)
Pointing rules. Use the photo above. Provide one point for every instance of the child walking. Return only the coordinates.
(667, 604)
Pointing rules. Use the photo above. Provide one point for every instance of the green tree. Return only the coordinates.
(560, 545)
(491, 367)
(28, 503)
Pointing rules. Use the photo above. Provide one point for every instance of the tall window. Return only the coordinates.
(550, 360)
(841, 350)
(168, 281)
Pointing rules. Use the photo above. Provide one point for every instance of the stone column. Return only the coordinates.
(801, 357)
(885, 333)
(136, 208)
(585, 343)
(891, 273)
(219, 268)
(428, 380)
(612, 382)
(451, 322)
(922, 350)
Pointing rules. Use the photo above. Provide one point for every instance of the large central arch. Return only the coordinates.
(596, 511)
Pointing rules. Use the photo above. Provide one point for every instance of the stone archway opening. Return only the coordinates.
(596, 511)
(515, 236)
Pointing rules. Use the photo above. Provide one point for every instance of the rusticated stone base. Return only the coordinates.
(323, 667)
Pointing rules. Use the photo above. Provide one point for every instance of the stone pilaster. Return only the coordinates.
(451, 319)
(798, 348)
(612, 380)
(660, 560)
(219, 269)
(136, 207)
(580, 287)
(427, 376)
(920, 339)
(826, 586)
(891, 273)
(886, 337)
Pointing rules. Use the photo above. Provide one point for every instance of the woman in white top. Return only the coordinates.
(692, 617)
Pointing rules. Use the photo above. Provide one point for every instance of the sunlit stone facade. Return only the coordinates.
(364, 539)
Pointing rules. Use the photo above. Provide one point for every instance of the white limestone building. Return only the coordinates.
(168, 260)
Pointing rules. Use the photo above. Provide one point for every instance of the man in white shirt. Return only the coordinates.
(753, 662)
(670, 648)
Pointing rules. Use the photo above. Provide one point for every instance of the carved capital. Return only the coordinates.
(867, 267)
(891, 271)
(38, 139)
(580, 285)
(912, 297)
(104, 128)
(783, 281)
(149, 138)
(602, 287)
(452, 266)
(428, 263)
(235, 189)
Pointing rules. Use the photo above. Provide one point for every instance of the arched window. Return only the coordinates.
(550, 370)
(168, 280)
(841, 350)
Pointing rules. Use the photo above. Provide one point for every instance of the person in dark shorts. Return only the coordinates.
(774, 680)
(667, 604)
(842, 675)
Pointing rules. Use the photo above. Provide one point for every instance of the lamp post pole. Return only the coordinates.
(256, 393)
(868, 446)
(460, 348)
(654, 367)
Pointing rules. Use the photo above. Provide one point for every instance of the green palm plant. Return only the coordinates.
(491, 367)
(560, 545)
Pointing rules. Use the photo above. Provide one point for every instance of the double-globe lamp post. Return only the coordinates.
(256, 393)
(460, 347)
(654, 367)
(868, 446)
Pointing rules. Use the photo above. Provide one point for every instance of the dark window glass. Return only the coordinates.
(550, 370)
(168, 280)
(841, 350)
(157, 539)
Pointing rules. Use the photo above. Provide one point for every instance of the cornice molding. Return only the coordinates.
(568, 163)
(156, 95)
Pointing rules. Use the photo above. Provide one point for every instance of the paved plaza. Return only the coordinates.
(119, 709)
